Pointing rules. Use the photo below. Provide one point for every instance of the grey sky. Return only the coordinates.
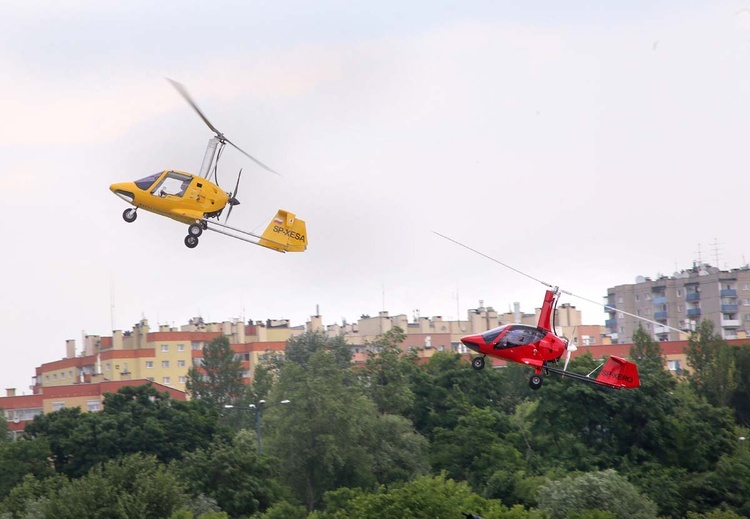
(582, 145)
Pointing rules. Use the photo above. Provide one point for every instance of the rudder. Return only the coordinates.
(285, 233)
(618, 372)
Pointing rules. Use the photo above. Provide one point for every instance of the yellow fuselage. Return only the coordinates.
(181, 196)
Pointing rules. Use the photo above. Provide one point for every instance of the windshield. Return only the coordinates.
(146, 183)
(490, 335)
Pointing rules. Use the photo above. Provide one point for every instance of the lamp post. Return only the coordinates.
(258, 410)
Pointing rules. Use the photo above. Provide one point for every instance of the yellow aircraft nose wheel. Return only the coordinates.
(129, 215)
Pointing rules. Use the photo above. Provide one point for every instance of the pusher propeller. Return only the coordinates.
(232, 196)
(184, 93)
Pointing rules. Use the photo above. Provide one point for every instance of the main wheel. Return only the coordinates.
(129, 215)
(477, 363)
(191, 241)
(535, 382)
(195, 230)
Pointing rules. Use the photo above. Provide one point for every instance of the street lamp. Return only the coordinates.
(258, 410)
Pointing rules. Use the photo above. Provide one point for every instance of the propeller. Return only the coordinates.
(570, 348)
(184, 93)
(232, 196)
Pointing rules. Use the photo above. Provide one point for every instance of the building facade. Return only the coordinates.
(676, 304)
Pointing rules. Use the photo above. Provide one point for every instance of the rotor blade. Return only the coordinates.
(184, 93)
(231, 206)
(252, 158)
(571, 294)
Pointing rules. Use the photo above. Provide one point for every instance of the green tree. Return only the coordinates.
(318, 438)
(135, 486)
(17, 459)
(386, 373)
(301, 348)
(428, 497)
(136, 419)
(232, 474)
(712, 362)
(645, 350)
(604, 491)
(218, 380)
(399, 453)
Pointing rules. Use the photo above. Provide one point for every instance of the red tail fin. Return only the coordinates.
(618, 372)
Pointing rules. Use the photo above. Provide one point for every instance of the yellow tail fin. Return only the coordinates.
(285, 233)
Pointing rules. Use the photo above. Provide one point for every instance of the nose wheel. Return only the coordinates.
(129, 215)
(477, 363)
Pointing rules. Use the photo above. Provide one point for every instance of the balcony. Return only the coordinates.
(609, 307)
(610, 323)
(730, 309)
(728, 292)
(661, 300)
(660, 315)
(730, 323)
(660, 330)
(693, 296)
(694, 312)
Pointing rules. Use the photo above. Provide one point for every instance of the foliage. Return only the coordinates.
(218, 380)
(605, 491)
(301, 349)
(231, 474)
(645, 351)
(386, 373)
(134, 420)
(713, 370)
(18, 459)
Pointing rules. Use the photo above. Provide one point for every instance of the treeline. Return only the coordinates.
(399, 439)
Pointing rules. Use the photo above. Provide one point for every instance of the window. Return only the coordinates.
(180, 347)
(196, 346)
(520, 335)
(679, 293)
(637, 298)
(56, 406)
(165, 380)
(165, 347)
(54, 377)
(173, 184)
(107, 366)
(619, 299)
(180, 363)
(46, 378)
(93, 405)
(62, 375)
(70, 373)
(146, 183)
(165, 364)
(674, 365)
(182, 380)
(149, 364)
(620, 315)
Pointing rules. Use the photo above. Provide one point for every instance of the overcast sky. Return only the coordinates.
(582, 145)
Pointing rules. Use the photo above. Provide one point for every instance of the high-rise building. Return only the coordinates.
(676, 304)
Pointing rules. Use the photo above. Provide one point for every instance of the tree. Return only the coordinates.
(605, 491)
(318, 438)
(301, 348)
(645, 350)
(232, 474)
(17, 459)
(136, 419)
(712, 361)
(218, 380)
(386, 373)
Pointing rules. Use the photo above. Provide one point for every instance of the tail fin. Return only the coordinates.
(285, 233)
(618, 372)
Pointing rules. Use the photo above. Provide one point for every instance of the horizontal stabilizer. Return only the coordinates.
(618, 372)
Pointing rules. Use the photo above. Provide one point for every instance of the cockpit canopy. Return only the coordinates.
(148, 181)
(512, 335)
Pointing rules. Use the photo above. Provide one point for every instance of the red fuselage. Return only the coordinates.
(521, 343)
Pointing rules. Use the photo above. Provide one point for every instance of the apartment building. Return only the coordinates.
(680, 302)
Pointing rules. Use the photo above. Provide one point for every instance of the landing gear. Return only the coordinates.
(535, 382)
(195, 230)
(477, 363)
(191, 241)
(129, 215)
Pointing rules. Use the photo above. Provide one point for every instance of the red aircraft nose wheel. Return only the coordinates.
(195, 230)
(129, 215)
(191, 242)
(535, 382)
(477, 363)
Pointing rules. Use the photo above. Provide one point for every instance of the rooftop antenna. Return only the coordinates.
(382, 285)
(715, 245)
(700, 258)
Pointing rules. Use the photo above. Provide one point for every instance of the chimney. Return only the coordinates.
(11, 391)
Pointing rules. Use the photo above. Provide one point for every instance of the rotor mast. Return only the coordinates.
(208, 158)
